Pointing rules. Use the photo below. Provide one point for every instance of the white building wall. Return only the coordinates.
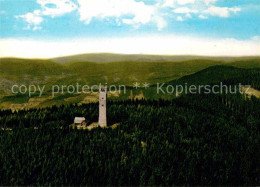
(102, 120)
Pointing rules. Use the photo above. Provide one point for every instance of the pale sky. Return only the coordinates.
(51, 28)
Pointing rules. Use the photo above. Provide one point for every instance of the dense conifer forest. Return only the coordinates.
(129, 93)
(191, 140)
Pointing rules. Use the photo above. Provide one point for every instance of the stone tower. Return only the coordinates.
(102, 120)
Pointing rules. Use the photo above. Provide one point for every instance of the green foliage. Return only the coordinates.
(28, 67)
(226, 74)
(249, 63)
(126, 72)
(191, 140)
(18, 98)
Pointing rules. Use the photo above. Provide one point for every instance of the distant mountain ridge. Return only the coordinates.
(111, 57)
(228, 75)
(47, 72)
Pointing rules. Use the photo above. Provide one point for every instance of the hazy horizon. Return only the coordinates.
(136, 54)
(54, 28)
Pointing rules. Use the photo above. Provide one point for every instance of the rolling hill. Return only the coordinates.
(220, 73)
(211, 75)
(110, 57)
(22, 71)
(36, 71)
(49, 73)
(33, 67)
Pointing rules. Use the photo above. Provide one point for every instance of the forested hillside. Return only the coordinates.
(191, 140)
(228, 75)
(47, 72)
